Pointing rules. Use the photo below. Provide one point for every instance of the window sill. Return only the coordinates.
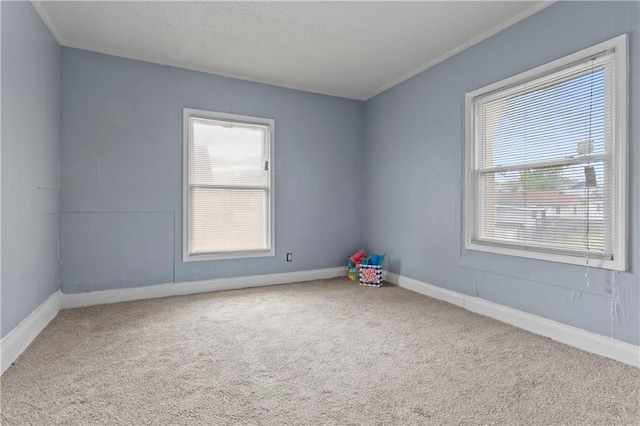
(615, 265)
(186, 257)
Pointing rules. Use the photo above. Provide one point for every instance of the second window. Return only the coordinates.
(228, 189)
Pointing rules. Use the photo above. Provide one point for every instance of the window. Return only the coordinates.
(550, 137)
(228, 186)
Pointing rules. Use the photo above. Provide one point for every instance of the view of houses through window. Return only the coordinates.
(547, 206)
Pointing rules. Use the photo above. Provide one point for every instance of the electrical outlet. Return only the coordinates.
(289, 257)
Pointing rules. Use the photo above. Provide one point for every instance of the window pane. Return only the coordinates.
(558, 207)
(546, 124)
(224, 220)
(229, 154)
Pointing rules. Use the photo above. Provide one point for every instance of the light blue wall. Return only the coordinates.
(30, 160)
(121, 162)
(414, 133)
(121, 172)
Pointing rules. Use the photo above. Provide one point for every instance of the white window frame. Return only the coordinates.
(619, 157)
(186, 185)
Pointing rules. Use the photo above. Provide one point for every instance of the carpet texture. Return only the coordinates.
(324, 352)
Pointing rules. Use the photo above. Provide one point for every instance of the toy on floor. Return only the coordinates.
(354, 265)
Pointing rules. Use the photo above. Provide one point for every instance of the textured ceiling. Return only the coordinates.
(349, 49)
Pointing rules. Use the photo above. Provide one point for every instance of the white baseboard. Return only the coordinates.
(572, 336)
(177, 289)
(14, 343)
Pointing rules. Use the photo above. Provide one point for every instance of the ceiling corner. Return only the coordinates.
(492, 31)
(37, 4)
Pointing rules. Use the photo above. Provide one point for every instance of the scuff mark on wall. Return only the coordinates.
(609, 284)
(618, 314)
(475, 284)
(571, 299)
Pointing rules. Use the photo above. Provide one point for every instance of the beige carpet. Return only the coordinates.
(325, 352)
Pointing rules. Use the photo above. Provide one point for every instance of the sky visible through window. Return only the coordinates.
(548, 124)
(236, 154)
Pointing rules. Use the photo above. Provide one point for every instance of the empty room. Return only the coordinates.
(287, 213)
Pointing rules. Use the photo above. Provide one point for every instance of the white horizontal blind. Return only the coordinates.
(543, 177)
(229, 185)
